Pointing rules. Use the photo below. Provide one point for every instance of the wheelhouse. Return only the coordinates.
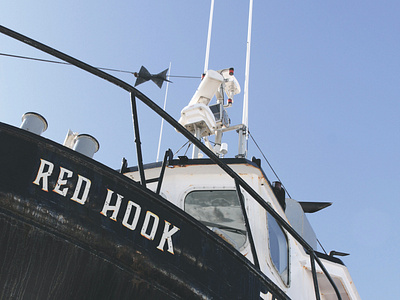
(209, 195)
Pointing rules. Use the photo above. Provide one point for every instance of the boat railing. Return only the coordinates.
(239, 181)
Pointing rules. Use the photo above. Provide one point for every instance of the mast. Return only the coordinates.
(244, 131)
(209, 37)
(196, 151)
(162, 120)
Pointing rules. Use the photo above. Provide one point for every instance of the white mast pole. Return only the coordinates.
(162, 120)
(209, 37)
(244, 132)
(195, 152)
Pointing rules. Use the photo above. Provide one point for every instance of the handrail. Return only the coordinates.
(247, 224)
(137, 140)
(196, 142)
(167, 158)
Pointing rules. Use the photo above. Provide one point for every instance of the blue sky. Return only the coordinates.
(324, 98)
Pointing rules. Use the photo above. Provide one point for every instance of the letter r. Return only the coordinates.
(44, 175)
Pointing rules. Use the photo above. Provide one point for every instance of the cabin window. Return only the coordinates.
(279, 248)
(220, 211)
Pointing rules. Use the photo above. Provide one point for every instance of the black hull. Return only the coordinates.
(45, 266)
(55, 242)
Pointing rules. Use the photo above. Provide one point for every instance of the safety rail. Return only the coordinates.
(134, 93)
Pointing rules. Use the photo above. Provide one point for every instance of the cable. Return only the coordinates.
(101, 68)
(321, 246)
(187, 149)
(280, 181)
(181, 148)
(37, 59)
(181, 76)
(276, 175)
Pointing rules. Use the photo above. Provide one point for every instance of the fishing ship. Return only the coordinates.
(199, 227)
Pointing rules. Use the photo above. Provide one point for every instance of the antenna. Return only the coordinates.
(209, 37)
(162, 119)
(244, 131)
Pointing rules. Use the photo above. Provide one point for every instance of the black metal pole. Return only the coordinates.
(137, 140)
(314, 276)
(167, 155)
(247, 224)
(328, 276)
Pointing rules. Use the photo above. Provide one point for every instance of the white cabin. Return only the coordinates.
(205, 191)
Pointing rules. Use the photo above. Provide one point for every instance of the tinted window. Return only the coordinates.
(279, 248)
(220, 211)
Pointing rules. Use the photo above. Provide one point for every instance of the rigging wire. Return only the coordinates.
(321, 246)
(279, 180)
(319, 243)
(181, 148)
(101, 68)
(270, 166)
(187, 149)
